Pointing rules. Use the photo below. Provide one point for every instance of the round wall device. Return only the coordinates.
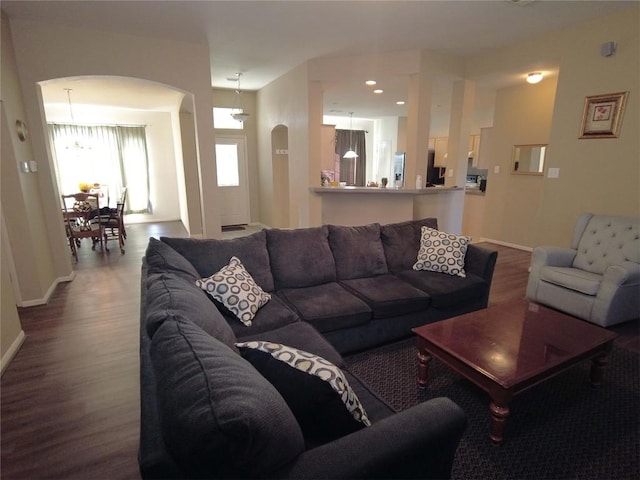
(21, 128)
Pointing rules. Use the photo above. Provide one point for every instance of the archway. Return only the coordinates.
(166, 113)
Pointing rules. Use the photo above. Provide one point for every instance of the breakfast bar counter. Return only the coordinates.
(363, 205)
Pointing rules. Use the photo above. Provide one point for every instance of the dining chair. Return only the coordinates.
(81, 216)
(113, 223)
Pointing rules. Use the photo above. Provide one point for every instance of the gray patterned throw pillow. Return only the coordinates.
(294, 372)
(236, 289)
(442, 252)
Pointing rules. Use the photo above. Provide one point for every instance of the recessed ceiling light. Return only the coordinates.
(534, 77)
(400, 102)
(370, 82)
(379, 90)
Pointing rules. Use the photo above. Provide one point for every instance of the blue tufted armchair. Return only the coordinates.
(598, 278)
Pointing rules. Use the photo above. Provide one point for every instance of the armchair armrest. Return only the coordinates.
(617, 275)
(419, 442)
(553, 256)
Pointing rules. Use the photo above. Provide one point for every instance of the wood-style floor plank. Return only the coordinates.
(70, 398)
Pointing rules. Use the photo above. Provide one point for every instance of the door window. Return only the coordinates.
(227, 165)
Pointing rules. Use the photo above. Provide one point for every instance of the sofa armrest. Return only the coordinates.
(480, 261)
(419, 442)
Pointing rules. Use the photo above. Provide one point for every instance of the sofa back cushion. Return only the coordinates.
(300, 257)
(167, 295)
(401, 242)
(161, 258)
(357, 251)
(220, 418)
(210, 255)
(608, 240)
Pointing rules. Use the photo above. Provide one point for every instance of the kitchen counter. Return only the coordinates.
(363, 205)
(385, 191)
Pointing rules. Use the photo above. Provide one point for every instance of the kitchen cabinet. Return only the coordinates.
(474, 149)
(441, 147)
(484, 144)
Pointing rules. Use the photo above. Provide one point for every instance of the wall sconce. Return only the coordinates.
(534, 77)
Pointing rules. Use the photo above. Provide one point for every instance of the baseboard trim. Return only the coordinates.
(507, 244)
(44, 300)
(11, 352)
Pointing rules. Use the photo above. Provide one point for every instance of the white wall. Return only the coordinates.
(291, 101)
(596, 175)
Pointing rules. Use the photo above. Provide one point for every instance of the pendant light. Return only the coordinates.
(237, 112)
(350, 153)
(76, 144)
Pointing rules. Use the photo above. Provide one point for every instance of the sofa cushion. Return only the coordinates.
(161, 258)
(168, 294)
(442, 252)
(316, 390)
(235, 288)
(301, 257)
(327, 307)
(387, 295)
(357, 251)
(401, 242)
(274, 314)
(446, 290)
(220, 418)
(300, 335)
(210, 255)
(572, 278)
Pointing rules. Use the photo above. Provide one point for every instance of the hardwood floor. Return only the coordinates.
(70, 397)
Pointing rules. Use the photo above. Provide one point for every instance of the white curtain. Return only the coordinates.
(115, 156)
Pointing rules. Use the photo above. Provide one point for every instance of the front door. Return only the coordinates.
(233, 181)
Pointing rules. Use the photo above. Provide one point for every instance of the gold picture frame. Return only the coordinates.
(602, 115)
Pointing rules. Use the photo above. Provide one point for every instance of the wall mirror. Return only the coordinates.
(528, 159)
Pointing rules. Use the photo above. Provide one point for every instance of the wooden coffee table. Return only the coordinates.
(508, 348)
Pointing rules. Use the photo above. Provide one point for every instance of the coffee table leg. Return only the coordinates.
(597, 369)
(499, 414)
(423, 368)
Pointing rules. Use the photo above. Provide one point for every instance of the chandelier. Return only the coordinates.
(237, 112)
(76, 143)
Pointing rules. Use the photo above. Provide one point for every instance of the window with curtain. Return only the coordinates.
(115, 156)
(352, 170)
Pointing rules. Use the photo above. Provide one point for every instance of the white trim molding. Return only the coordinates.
(12, 350)
(507, 244)
(44, 300)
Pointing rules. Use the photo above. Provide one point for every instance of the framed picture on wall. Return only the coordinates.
(602, 115)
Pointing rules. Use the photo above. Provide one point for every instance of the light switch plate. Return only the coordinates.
(33, 166)
(496, 169)
(451, 172)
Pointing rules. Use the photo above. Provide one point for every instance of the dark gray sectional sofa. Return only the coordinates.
(207, 412)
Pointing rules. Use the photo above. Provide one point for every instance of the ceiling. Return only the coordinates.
(265, 39)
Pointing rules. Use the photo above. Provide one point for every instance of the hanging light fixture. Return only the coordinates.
(350, 153)
(76, 144)
(237, 112)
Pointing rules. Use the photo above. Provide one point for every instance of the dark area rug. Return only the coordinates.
(560, 429)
